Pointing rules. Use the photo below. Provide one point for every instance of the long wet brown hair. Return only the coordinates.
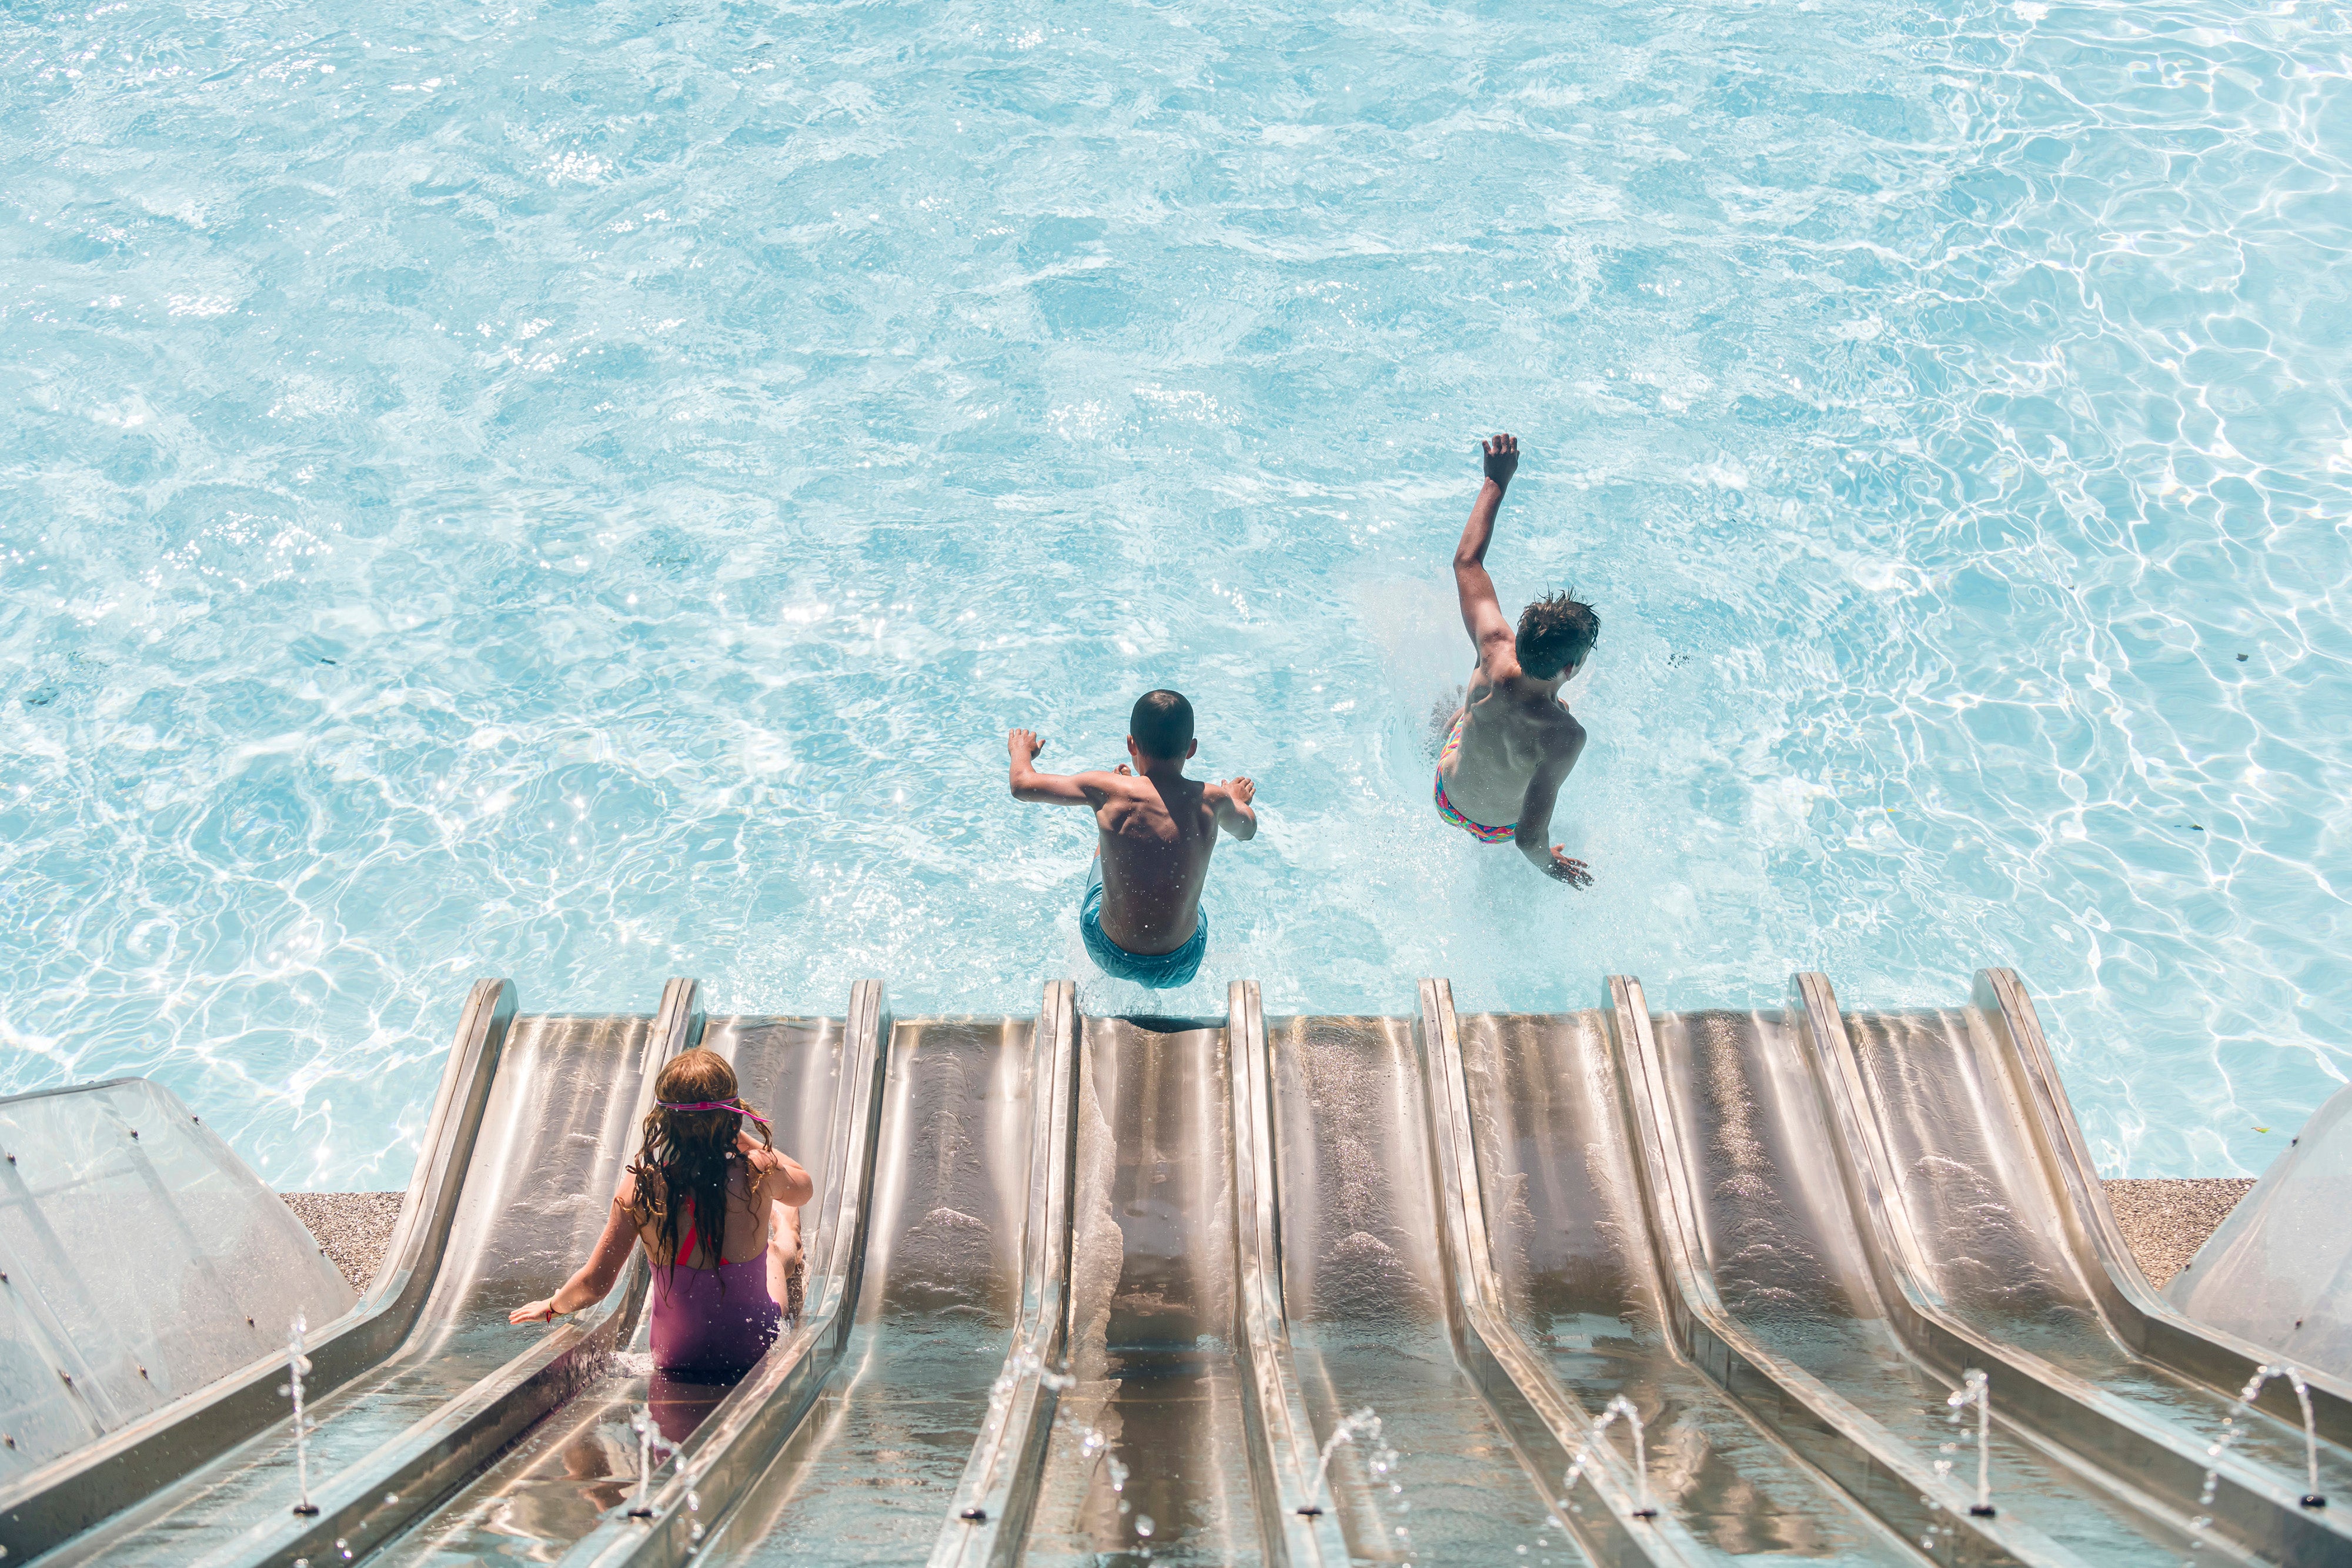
(683, 1166)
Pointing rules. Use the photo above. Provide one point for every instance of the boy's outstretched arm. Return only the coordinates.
(1482, 614)
(1088, 789)
(1233, 812)
(1534, 837)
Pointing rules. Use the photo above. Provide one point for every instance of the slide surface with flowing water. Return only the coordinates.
(1150, 1452)
(580, 1463)
(866, 1477)
(1365, 1284)
(1783, 1252)
(1956, 1148)
(1610, 1287)
(554, 1137)
(1583, 1288)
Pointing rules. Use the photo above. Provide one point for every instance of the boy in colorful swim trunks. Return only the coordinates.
(1514, 741)
(1140, 915)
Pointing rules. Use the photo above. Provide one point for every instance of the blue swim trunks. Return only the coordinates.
(1160, 971)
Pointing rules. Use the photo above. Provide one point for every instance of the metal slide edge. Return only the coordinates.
(85, 1489)
(368, 1503)
(2045, 1407)
(988, 1518)
(1298, 1531)
(2143, 1319)
(1877, 1471)
(736, 1443)
(1545, 1424)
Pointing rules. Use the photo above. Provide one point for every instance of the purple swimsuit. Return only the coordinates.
(698, 1328)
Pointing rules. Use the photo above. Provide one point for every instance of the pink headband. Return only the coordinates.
(739, 1109)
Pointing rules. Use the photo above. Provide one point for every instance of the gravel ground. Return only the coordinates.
(2167, 1221)
(2164, 1221)
(353, 1226)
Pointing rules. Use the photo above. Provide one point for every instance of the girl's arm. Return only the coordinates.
(594, 1281)
(777, 1176)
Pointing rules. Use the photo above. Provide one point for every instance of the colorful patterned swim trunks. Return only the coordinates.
(1478, 830)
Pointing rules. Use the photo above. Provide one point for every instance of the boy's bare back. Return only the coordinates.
(1155, 830)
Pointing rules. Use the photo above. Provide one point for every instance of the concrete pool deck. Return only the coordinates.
(2165, 1221)
(353, 1226)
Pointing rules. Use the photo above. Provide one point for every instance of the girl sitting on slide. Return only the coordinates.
(720, 1219)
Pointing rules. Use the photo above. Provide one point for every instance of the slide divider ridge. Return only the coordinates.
(988, 1520)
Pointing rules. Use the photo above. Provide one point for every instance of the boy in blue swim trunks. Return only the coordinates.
(1140, 915)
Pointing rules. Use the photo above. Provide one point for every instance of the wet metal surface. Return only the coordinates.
(1572, 1250)
(580, 1462)
(868, 1476)
(552, 1144)
(1945, 1109)
(201, 1269)
(1153, 1316)
(1789, 1264)
(1364, 1286)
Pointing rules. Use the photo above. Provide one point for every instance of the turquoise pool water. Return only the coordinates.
(580, 491)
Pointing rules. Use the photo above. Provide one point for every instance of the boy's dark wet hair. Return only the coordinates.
(1555, 633)
(1161, 725)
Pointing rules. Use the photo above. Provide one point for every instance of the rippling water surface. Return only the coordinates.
(579, 492)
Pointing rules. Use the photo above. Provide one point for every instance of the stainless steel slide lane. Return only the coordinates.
(866, 1475)
(80, 1490)
(1582, 1289)
(1160, 1392)
(1737, 1141)
(2145, 1320)
(1967, 1231)
(1365, 1284)
(388, 1444)
(1616, 1521)
(827, 1108)
(579, 1467)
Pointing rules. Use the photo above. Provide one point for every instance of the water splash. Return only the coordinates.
(1596, 1439)
(2232, 1427)
(642, 1424)
(1363, 1420)
(1975, 1389)
(297, 1363)
(1092, 1443)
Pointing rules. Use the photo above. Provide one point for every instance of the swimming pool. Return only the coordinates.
(580, 491)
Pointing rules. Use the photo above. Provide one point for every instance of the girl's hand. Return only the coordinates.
(534, 1312)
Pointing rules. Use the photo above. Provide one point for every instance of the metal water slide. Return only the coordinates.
(577, 1468)
(1114, 1289)
(1391, 1310)
(1861, 1209)
(1962, 1152)
(82, 1490)
(1564, 1305)
(1142, 1272)
(424, 1380)
(971, 1138)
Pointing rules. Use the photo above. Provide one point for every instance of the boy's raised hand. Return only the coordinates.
(1024, 745)
(1502, 458)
